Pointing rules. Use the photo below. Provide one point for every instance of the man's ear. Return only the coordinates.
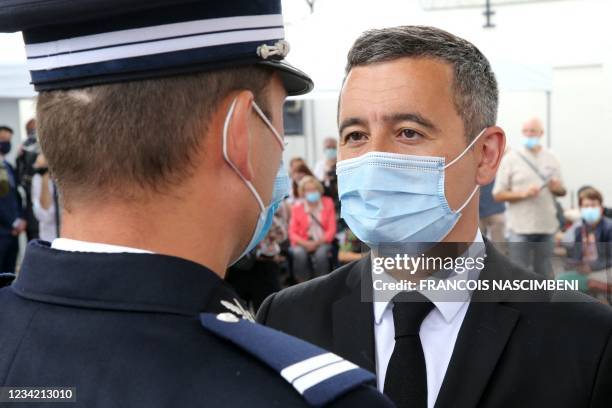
(491, 148)
(236, 123)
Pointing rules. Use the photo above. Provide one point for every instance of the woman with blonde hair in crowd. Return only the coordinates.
(311, 230)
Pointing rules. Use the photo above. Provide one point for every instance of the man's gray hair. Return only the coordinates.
(475, 87)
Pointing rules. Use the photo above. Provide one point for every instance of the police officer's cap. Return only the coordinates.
(78, 43)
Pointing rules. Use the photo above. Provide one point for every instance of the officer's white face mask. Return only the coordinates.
(397, 198)
(281, 183)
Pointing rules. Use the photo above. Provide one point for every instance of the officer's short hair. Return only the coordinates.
(126, 138)
(475, 87)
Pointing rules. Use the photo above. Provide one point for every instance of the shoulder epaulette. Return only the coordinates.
(318, 375)
(6, 279)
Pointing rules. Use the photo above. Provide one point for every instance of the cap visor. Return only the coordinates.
(296, 82)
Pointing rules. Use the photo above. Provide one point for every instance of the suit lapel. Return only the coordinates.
(481, 341)
(353, 320)
(482, 338)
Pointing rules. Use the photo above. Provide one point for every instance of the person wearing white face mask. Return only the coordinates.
(417, 137)
(528, 180)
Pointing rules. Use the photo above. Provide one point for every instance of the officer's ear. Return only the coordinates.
(490, 151)
(238, 133)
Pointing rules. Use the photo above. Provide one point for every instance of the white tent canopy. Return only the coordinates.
(15, 82)
(15, 79)
(321, 40)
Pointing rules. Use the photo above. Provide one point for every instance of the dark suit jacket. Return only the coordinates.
(507, 353)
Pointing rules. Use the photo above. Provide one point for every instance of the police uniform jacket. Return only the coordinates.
(136, 330)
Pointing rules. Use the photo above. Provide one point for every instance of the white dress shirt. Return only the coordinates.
(73, 245)
(438, 332)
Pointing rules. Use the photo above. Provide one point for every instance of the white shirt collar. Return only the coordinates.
(448, 309)
(73, 245)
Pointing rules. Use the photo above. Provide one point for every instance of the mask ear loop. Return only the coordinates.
(465, 150)
(458, 210)
(269, 124)
(250, 186)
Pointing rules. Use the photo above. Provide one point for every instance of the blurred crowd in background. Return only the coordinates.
(28, 200)
(519, 212)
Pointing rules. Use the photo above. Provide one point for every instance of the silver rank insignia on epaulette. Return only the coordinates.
(280, 49)
(319, 376)
(238, 309)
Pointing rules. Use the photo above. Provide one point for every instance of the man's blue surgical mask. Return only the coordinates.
(397, 198)
(590, 214)
(281, 184)
(530, 141)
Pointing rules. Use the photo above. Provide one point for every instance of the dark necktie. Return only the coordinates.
(406, 377)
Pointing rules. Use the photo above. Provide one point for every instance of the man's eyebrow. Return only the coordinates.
(393, 118)
(411, 117)
(350, 122)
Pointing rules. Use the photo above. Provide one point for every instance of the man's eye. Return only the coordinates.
(410, 134)
(354, 137)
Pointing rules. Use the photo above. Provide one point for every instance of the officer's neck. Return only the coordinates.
(157, 226)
